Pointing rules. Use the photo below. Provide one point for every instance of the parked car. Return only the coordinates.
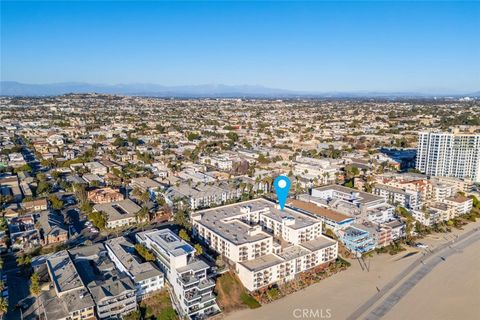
(421, 245)
(22, 304)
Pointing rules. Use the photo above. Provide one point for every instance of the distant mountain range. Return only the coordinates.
(12, 88)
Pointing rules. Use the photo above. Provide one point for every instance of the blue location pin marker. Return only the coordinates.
(282, 186)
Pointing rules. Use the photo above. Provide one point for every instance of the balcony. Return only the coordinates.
(206, 284)
(188, 281)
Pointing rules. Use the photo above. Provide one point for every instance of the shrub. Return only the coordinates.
(273, 293)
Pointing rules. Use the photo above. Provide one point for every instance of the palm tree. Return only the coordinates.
(141, 215)
(268, 181)
(242, 186)
(326, 177)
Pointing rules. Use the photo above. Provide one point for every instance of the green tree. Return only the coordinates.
(181, 218)
(352, 171)
(80, 193)
(3, 224)
(24, 168)
(145, 196)
(476, 202)
(35, 284)
(3, 306)
(233, 136)
(24, 261)
(144, 252)
(263, 159)
(198, 249)
(192, 136)
(56, 203)
(98, 219)
(56, 174)
(43, 187)
(119, 142)
(184, 235)
(349, 184)
(142, 215)
(4, 199)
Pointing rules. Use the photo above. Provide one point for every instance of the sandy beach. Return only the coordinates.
(448, 291)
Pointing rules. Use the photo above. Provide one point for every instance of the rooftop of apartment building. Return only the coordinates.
(292, 252)
(125, 252)
(198, 190)
(103, 191)
(317, 243)
(262, 262)
(119, 209)
(394, 224)
(64, 273)
(317, 210)
(458, 199)
(393, 189)
(145, 182)
(98, 272)
(168, 240)
(355, 231)
(194, 266)
(59, 307)
(359, 196)
(111, 287)
(69, 293)
(223, 220)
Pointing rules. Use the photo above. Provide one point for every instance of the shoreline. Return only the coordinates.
(345, 293)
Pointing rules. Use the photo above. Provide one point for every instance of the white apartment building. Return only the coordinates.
(16, 160)
(461, 205)
(200, 195)
(406, 181)
(365, 207)
(248, 234)
(463, 185)
(449, 154)
(96, 168)
(404, 197)
(222, 162)
(192, 289)
(330, 218)
(441, 191)
(70, 298)
(323, 170)
(119, 213)
(435, 213)
(146, 276)
(449, 208)
(55, 140)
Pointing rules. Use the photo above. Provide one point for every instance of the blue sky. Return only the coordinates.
(311, 46)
